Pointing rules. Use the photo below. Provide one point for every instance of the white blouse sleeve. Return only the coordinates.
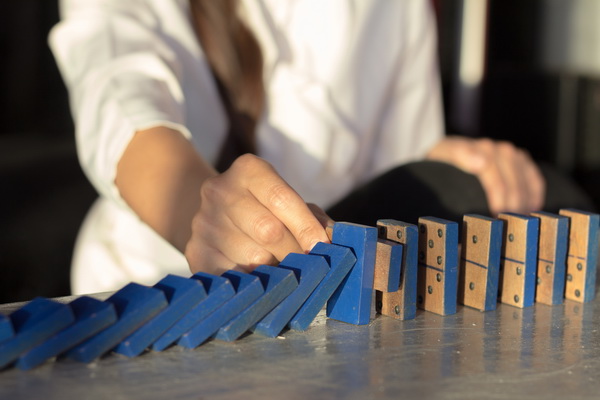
(122, 77)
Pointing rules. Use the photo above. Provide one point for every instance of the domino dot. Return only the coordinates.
(472, 285)
(516, 298)
(439, 260)
(440, 233)
(431, 243)
(548, 269)
(429, 289)
(579, 266)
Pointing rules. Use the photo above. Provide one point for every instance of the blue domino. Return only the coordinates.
(310, 271)
(351, 302)
(6, 328)
(135, 304)
(219, 290)
(340, 259)
(34, 323)
(248, 288)
(395, 267)
(278, 283)
(91, 317)
(182, 294)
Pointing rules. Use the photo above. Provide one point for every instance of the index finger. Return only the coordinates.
(285, 203)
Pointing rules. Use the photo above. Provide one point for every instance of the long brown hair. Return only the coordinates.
(236, 61)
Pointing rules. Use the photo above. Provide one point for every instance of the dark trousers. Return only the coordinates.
(440, 190)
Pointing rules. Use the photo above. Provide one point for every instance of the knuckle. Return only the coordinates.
(211, 189)
(248, 163)
(268, 230)
(306, 236)
(280, 197)
(257, 256)
(485, 143)
(507, 148)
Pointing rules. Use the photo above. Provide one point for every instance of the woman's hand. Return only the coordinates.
(250, 216)
(510, 179)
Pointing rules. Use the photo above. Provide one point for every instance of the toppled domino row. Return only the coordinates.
(405, 265)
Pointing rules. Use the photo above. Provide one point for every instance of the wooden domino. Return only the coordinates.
(582, 255)
(278, 283)
(182, 294)
(341, 260)
(388, 265)
(135, 304)
(401, 304)
(248, 289)
(351, 302)
(518, 262)
(6, 328)
(91, 317)
(34, 323)
(309, 270)
(438, 265)
(218, 290)
(480, 262)
(552, 257)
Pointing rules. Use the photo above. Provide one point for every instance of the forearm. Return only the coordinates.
(159, 176)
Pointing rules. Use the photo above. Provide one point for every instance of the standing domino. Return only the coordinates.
(351, 302)
(480, 262)
(552, 258)
(582, 255)
(519, 256)
(438, 265)
(401, 304)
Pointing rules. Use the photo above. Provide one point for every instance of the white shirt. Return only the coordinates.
(352, 90)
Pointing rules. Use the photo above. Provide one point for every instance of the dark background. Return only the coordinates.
(44, 195)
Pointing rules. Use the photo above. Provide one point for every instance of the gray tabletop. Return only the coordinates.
(536, 353)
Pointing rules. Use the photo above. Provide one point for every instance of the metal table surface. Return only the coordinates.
(536, 353)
